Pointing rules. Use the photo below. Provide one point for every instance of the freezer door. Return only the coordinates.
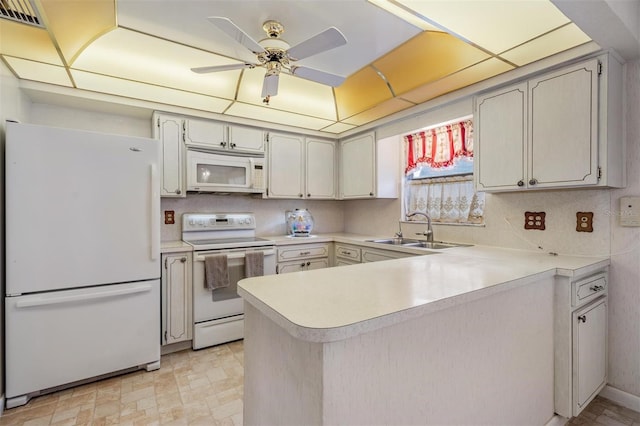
(82, 208)
(62, 337)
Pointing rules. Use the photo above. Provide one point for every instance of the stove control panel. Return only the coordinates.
(217, 221)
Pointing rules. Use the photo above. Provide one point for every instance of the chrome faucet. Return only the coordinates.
(429, 232)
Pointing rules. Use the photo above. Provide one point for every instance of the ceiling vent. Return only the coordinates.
(20, 11)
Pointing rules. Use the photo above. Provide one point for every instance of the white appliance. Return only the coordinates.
(82, 257)
(213, 172)
(218, 315)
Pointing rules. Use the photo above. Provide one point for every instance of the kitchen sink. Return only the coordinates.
(410, 242)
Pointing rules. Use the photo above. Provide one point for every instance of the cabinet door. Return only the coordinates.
(246, 139)
(177, 321)
(372, 255)
(168, 130)
(205, 133)
(357, 167)
(563, 138)
(286, 155)
(320, 169)
(500, 128)
(590, 352)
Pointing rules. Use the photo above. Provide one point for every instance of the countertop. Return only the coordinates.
(336, 303)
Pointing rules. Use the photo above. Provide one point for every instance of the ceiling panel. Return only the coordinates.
(495, 25)
(482, 71)
(554, 42)
(38, 71)
(425, 58)
(147, 92)
(297, 95)
(338, 128)
(76, 23)
(379, 111)
(24, 41)
(270, 115)
(361, 91)
(134, 56)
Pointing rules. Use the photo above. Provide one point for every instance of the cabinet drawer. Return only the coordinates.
(303, 252)
(307, 265)
(348, 252)
(589, 288)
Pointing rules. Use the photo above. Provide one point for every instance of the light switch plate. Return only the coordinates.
(630, 211)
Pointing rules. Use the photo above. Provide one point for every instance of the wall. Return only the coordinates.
(624, 292)
(13, 105)
(270, 214)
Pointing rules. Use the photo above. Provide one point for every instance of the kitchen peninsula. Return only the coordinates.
(469, 336)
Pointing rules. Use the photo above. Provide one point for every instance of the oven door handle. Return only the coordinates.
(199, 257)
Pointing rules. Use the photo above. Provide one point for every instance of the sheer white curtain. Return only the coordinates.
(446, 199)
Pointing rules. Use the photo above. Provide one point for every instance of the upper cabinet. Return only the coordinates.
(300, 167)
(559, 130)
(369, 168)
(220, 136)
(169, 131)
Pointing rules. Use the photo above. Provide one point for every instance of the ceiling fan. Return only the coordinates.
(275, 54)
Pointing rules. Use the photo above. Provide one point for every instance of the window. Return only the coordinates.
(438, 177)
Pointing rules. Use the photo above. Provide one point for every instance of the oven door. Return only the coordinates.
(225, 302)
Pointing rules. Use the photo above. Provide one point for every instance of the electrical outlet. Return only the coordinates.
(584, 222)
(534, 220)
(169, 217)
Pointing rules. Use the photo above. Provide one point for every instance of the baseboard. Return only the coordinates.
(557, 420)
(623, 398)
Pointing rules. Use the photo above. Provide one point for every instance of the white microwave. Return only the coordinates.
(213, 172)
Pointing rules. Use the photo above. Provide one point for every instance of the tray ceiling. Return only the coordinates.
(145, 49)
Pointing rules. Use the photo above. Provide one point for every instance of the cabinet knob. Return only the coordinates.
(308, 263)
(223, 144)
(520, 182)
(302, 265)
(596, 288)
(178, 192)
(233, 145)
(300, 195)
(308, 195)
(184, 259)
(533, 181)
(582, 318)
(371, 194)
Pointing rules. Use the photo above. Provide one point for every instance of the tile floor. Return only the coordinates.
(194, 388)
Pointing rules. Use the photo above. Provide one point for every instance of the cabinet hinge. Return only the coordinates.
(165, 336)
(599, 173)
(266, 136)
(158, 122)
(277, 269)
(599, 68)
(165, 262)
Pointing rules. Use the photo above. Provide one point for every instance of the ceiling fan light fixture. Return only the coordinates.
(273, 68)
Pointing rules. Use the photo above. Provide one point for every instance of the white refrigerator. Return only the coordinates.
(82, 291)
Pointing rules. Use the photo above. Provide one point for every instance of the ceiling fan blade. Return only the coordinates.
(270, 85)
(233, 31)
(326, 40)
(317, 76)
(216, 68)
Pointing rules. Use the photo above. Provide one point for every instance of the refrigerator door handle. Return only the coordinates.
(82, 297)
(155, 214)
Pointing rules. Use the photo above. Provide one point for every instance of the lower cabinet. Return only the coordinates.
(589, 352)
(346, 254)
(302, 257)
(177, 319)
